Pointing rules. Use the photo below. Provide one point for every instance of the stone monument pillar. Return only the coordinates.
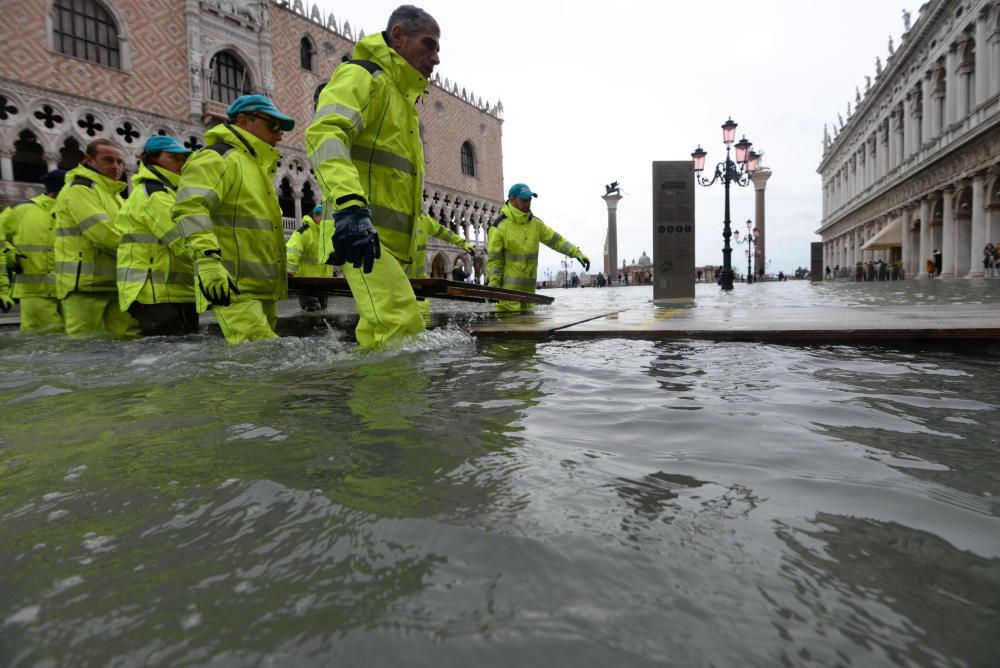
(611, 198)
(759, 179)
(673, 231)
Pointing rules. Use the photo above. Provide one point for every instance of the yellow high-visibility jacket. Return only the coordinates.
(513, 248)
(309, 247)
(152, 265)
(364, 142)
(226, 201)
(86, 237)
(428, 227)
(31, 228)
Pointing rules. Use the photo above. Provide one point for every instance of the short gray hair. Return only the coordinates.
(412, 19)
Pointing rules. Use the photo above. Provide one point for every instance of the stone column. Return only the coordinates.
(950, 90)
(759, 179)
(893, 139)
(611, 267)
(925, 102)
(297, 194)
(905, 236)
(51, 160)
(994, 75)
(7, 164)
(925, 238)
(949, 231)
(978, 233)
(982, 57)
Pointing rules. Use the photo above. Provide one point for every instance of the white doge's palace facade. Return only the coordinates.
(914, 169)
(75, 70)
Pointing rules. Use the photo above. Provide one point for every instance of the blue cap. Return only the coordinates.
(158, 143)
(54, 180)
(318, 209)
(521, 191)
(248, 104)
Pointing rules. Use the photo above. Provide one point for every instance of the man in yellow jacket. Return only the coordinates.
(86, 245)
(30, 230)
(367, 155)
(155, 276)
(428, 227)
(227, 212)
(307, 250)
(513, 247)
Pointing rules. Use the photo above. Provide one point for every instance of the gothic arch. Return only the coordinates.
(91, 124)
(439, 266)
(124, 40)
(127, 131)
(234, 50)
(307, 52)
(29, 157)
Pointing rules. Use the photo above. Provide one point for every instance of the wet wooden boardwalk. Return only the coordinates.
(826, 324)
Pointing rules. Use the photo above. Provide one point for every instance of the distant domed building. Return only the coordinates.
(640, 272)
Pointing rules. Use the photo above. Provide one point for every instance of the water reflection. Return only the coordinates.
(464, 502)
(915, 597)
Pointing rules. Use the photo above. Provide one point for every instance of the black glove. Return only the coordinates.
(355, 239)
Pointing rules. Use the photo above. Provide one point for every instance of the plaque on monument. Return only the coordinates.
(673, 230)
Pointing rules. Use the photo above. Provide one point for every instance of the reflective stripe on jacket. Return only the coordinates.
(513, 249)
(86, 242)
(31, 228)
(309, 247)
(150, 270)
(226, 201)
(365, 140)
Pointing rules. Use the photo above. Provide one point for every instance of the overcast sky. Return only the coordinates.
(595, 92)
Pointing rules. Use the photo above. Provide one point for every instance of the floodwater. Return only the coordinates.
(458, 502)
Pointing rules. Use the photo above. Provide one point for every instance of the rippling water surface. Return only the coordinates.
(484, 503)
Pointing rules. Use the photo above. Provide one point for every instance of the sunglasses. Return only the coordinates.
(272, 125)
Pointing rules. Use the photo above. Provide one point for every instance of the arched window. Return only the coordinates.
(286, 199)
(28, 162)
(306, 52)
(308, 198)
(468, 160)
(230, 78)
(70, 155)
(85, 29)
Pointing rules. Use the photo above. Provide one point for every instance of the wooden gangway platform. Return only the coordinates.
(956, 323)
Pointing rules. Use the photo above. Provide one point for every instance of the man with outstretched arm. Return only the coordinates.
(366, 152)
(513, 247)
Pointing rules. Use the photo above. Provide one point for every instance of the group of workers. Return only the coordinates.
(202, 230)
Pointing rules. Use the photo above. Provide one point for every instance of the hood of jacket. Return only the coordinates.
(103, 182)
(162, 175)
(410, 82)
(515, 215)
(267, 156)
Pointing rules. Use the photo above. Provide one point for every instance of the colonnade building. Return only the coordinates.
(75, 70)
(914, 169)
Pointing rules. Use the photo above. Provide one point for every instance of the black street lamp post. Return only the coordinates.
(749, 239)
(737, 172)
